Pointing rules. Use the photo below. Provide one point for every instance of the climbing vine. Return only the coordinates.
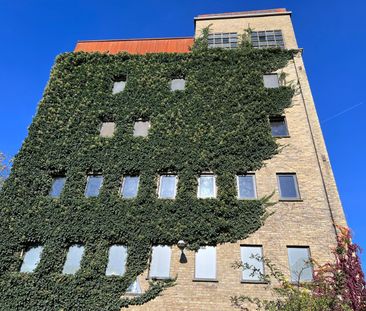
(219, 123)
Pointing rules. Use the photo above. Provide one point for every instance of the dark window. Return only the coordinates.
(267, 39)
(93, 185)
(278, 126)
(300, 264)
(226, 40)
(58, 184)
(287, 184)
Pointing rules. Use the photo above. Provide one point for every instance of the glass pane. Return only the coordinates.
(205, 267)
(160, 262)
(271, 81)
(288, 186)
(246, 187)
(141, 128)
(253, 265)
(300, 266)
(206, 187)
(93, 186)
(58, 184)
(167, 186)
(134, 288)
(73, 259)
(117, 260)
(107, 129)
(130, 187)
(177, 84)
(118, 86)
(278, 127)
(31, 259)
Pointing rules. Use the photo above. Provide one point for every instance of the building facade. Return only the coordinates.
(300, 225)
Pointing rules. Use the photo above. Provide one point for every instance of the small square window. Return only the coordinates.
(271, 81)
(119, 85)
(178, 85)
(278, 126)
(246, 186)
(93, 185)
(134, 288)
(287, 184)
(205, 263)
(73, 259)
(58, 184)
(168, 186)
(160, 262)
(117, 260)
(130, 187)
(141, 128)
(31, 259)
(107, 129)
(251, 257)
(300, 264)
(207, 186)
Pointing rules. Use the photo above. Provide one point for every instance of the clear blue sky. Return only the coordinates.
(333, 34)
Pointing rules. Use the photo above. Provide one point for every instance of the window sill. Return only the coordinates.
(285, 136)
(206, 280)
(156, 278)
(253, 282)
(291, 200)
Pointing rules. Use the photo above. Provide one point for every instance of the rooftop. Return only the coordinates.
(279, 11)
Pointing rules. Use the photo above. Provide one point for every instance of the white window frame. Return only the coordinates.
(207, 279)
(160, 183)
(124, 262)
(86, 186)
(254, 186)
(159, 277)
(123, 184)
(199, 185)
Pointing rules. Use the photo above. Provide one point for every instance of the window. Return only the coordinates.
(93, 185)
(73, 259)
(117, 260)
(134, 288)
(223, 40)
(31, 259)
(177, 85)
(271, 81)
(58, 184)
(207, 186)
(287, 184)
(160, 262)
(141, 128)
(107, 129)
(205, 264)
(130, 187)
(267, 39)
(119, 84)
(246, 186)
(251, 257)
(168, 186)
(278, 126)
(300, 265)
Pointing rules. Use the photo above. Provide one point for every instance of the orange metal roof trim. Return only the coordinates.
(136, 46)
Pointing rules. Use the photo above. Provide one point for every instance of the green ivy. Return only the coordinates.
(219, 123)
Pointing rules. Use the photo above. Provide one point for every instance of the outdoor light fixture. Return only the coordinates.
(182, 245)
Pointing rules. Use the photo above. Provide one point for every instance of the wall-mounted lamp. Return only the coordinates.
(182, 245)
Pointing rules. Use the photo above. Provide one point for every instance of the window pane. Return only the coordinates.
(134, 288)
(278, 127)
(267, 39)
(253, 265)
(141, 128)
(222, 40)
(118, 86)
(288, 186)
(93, 186)
(58, 184)
(168, 184)
(205, 267)
(177, 84)
(271, 81)
(73, 259)
(160, 262)
(130, 187)
(31, 259)
(300, 266)
(107, 129)
(246, 187)
(117, 260)
(206, 187)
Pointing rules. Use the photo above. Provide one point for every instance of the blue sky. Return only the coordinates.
(333, 34)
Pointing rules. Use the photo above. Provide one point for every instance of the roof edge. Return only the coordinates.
(240, 15)
(136, 39)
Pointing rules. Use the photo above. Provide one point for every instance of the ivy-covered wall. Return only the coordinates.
(219, 123)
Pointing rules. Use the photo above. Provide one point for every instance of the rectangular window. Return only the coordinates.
(58, 184)
(205, 263)
(267, 39)
(117, 260)
(177, 85)
(287, 184)
(300, 265)
(207, 186)
(73, 259)
(130, 186)
(278, 126)
(246, 186)
(226, 40)
(160, 262)
(251, 257)
(168, 186)
(93, 185)
(141, 128)
(271, 81)
(31, 259)
(107, 129)
(119, 84)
